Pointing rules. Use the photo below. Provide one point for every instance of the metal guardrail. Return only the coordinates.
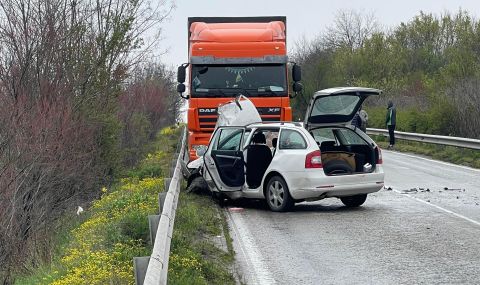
(442, 140)
(156, 273)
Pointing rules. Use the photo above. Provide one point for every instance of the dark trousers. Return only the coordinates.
(391, 132)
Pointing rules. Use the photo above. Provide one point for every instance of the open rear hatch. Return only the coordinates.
(336, 106)
(328, 119)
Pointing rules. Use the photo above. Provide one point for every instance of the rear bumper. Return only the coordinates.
(313, 185)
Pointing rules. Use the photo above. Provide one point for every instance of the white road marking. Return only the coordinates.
(432, 160)
(258, 270)
(438, 207)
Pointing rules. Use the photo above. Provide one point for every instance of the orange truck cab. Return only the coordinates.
(232, 56)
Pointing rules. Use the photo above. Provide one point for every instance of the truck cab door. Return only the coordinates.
(224, 160)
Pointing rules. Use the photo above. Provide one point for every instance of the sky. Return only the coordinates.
(305, 18)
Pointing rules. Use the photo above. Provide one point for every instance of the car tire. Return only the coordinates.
(277, 195)
(334, 167)
(197, 185)
(354, 201)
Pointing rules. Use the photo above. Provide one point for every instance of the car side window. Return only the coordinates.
(291, 139)
(229, 139)
(245, 138)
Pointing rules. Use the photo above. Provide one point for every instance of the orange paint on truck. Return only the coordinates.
(232, 56)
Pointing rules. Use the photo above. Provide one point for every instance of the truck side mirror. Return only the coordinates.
(297, 86)
(181, 74)
(181, 88)
(296, 73)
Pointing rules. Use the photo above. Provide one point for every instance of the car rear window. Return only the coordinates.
(335, 105)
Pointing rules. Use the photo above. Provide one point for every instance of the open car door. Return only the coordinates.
(224, 160)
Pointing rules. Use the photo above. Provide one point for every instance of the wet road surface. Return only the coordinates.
(406, 235)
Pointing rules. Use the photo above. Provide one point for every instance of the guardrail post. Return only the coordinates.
(153, 221)
(162, 195)
(173, 166)
(140, 265)
(161, 200)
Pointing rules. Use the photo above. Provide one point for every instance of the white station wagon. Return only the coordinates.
(286, 163)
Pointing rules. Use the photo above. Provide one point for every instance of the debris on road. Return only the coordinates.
(424, 189)
(411, 190)
(453, 189)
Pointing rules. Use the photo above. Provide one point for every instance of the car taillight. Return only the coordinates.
(379, 156)
(313, 160)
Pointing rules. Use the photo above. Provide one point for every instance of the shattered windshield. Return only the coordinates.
(229, 80)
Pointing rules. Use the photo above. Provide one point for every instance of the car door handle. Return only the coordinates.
(228, 156)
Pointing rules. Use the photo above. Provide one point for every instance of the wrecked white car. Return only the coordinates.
(285, 163)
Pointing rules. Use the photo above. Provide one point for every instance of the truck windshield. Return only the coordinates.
(231, 80)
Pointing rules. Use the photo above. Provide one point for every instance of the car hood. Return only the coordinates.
(336, 106)
(238, 112)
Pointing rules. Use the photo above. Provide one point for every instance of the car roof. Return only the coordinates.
(339, 90)
(275, 124)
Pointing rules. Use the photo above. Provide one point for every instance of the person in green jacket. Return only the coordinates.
(390, 121)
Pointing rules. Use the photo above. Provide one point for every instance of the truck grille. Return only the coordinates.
(208, 116)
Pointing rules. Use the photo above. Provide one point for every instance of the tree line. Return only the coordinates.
(79, 97)
(429, 67)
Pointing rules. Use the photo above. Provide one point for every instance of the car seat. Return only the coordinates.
(259, 157)
(274, 145)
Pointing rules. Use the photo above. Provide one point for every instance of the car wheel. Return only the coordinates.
(354, 201)
(197, 185)
(334, 167)
(221, 199)
(278, 196)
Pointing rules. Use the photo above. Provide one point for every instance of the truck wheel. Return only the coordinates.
(278, 195)
(354, 201)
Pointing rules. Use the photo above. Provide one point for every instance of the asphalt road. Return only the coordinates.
(407, 235)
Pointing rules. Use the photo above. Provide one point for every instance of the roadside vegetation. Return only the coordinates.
(80, 97)
(428, 66)
(194, 257)
(98, 246)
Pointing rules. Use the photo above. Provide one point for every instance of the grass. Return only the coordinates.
(456, 155)
(194, 258)
(98, 247)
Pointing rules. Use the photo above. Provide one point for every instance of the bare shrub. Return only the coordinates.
(465, 99)
(63, 65)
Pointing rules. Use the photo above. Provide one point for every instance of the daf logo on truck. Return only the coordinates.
(227, 59)
(207, 111)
